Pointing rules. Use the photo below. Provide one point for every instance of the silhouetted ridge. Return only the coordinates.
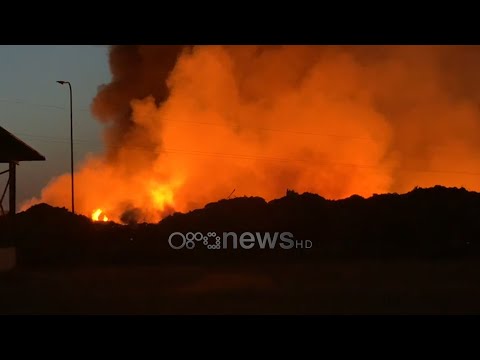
(434, 222)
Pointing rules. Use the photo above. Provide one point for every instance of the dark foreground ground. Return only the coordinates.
(415, 253)
(329, 288)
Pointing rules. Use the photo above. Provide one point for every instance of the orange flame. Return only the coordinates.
(96, 215)
(335, 121)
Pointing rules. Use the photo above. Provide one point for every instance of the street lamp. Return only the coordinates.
(71, 141)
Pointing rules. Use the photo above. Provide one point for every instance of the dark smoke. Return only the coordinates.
(137, 71)
(186, 125)
(131, 216)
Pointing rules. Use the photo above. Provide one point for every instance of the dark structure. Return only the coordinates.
(12, 151)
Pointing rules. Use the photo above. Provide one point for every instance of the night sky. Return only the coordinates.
(36, 109)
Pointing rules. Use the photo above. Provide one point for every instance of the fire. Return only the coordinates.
(186, 125)
(96, 215)
(162, 196)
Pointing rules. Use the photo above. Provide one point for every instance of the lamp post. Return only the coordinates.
(71, 141)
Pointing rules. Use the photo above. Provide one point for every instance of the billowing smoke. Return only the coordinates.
(137, 72)
(186, 125)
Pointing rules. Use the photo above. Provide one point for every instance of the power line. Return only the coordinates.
(349, 137)
(25, 102)
(251, 156)
(288, 131)
(52, 139)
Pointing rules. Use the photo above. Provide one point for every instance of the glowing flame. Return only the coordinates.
(162, 196)
(96, 215)
(185, 126)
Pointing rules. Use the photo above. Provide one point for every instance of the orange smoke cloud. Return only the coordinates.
(186, 126)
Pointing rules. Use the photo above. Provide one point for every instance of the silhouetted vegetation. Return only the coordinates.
(411, 253)
(437, 222)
